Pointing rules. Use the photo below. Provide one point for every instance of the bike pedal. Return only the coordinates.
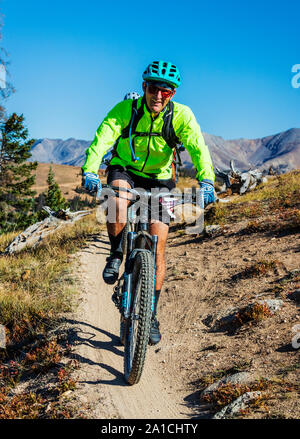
(116, 297)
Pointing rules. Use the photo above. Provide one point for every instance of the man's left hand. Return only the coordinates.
(207, 187)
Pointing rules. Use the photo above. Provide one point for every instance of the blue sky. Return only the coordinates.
(72, 61)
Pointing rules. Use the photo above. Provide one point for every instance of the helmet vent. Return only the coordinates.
(163, 70)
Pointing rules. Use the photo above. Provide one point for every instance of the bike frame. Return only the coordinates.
(137, 240)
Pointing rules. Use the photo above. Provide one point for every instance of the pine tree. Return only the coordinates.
(54, 198)
(16, 175)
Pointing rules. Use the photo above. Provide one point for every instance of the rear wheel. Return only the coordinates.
(137, 328)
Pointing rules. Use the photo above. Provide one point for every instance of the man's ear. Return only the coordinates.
(144, 87)
(174, 91)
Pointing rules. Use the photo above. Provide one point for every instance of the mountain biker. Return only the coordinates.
(147, 164)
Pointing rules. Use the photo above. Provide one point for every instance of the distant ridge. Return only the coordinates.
(282, 149)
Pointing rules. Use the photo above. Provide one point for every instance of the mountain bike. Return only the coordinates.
(134, 293)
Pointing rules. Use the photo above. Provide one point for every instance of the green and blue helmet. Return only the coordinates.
(163, 71)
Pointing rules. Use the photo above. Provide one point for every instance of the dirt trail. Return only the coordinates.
(101, 355)
(204, 281)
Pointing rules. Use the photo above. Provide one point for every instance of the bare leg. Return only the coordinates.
(120, 207)
(161, 230)
(114, 229)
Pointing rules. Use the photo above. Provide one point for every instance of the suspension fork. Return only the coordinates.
(127, 285)
(154, 250)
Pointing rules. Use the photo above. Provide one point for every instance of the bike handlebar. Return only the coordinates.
(182, 198)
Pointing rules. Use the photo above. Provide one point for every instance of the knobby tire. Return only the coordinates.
(137, 331)
(122, 330)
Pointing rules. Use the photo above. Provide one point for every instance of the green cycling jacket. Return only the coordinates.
(155, 156)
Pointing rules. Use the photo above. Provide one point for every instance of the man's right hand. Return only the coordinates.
(91, 182)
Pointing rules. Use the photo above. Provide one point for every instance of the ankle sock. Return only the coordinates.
(116, 245)
(156, 297)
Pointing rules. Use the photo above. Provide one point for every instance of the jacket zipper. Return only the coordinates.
(148, 145)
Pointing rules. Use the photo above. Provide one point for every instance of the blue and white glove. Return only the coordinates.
(91, 182)
(207, 187)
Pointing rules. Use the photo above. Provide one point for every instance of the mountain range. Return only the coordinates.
(280, 150)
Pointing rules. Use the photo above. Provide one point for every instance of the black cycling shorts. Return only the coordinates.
(117, 172)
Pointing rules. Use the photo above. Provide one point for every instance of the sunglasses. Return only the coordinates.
(152, 89)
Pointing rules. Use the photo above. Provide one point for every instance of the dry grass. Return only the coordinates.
(227, 393)
(37, 290)
(32, 404)
(259, 268)
(254, 313)
(271, 390)
(274, 205)
(37, 285)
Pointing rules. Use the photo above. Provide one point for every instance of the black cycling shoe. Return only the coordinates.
(111, 271)
(155, 335)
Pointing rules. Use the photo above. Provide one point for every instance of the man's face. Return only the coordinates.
(157, 97)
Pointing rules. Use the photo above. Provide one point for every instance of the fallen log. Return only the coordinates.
(36, 233)
(239, 182)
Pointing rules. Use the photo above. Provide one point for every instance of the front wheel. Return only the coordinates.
(122, 330)
(137, 329)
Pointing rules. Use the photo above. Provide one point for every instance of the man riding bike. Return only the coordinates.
(144, 132)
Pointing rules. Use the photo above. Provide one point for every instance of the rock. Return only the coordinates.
(295, 295)
(295, 272)
(223, 320)
(274, 305)
(240, 378)
(212, 230)
(236, 406)
(83, 399)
